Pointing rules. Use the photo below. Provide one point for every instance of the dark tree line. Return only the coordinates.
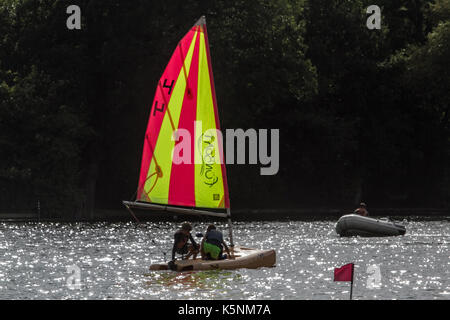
(363, 114)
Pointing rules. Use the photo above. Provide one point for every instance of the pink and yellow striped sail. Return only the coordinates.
(185, 97)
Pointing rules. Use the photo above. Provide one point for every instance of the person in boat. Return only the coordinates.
(181, 245)
(362, 210)
(212, 245)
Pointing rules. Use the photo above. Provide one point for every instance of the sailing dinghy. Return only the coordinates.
(185, 102)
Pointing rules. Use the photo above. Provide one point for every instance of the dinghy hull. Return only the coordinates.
(244, 258)
(356, 225)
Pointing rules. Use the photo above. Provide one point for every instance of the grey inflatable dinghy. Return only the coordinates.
(356, 225)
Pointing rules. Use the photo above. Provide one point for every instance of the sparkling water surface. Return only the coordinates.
(113, 260)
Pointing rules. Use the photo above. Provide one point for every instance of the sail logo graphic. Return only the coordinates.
(208, 155)
(208, 145)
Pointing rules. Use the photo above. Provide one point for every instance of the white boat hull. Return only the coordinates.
(356, 225)
(244, 258)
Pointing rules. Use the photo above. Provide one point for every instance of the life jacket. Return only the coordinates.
(214, 237)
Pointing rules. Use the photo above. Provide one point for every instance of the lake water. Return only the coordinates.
(113, 260)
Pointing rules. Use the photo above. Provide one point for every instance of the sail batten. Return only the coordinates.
(185, 100)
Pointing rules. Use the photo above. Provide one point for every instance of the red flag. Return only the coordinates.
(344, 273)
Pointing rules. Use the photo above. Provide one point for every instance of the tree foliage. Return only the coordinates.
(363, 113)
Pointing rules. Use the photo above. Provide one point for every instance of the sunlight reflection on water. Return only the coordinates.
(114, 257)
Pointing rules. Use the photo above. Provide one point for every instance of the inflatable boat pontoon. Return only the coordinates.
(356, 225)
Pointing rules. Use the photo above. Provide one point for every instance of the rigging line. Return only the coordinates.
(153, 151)
(158, 172)
(134, 194)
(132, 213)
(160, 249)
(143, 184)
(154, 183)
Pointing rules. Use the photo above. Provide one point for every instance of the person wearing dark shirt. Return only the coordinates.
(362, 210)
(213, 244)
(180, 244)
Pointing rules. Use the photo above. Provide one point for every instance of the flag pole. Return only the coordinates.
(351, 283)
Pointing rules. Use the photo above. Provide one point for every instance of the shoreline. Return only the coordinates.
(305, 214)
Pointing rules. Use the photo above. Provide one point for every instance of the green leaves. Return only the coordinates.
(357, 108)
